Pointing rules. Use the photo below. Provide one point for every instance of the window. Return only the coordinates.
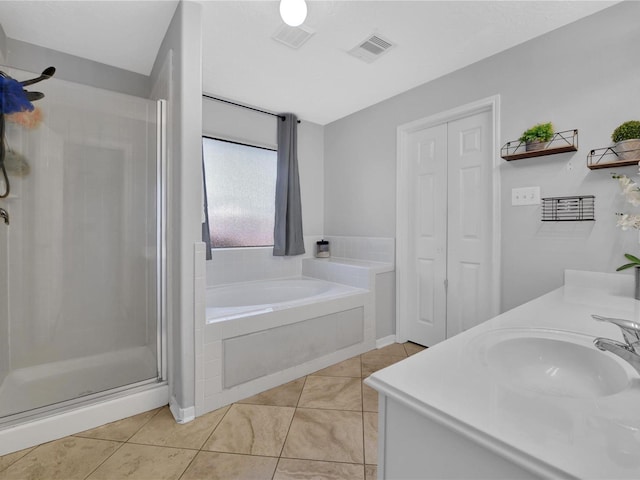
(240, 182)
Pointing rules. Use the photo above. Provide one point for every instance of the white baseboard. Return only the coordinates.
(83, 418)
(181, 415)
(384, 341)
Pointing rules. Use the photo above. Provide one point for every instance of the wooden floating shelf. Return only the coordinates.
(621, 163)
(608, 158)
(562, 142)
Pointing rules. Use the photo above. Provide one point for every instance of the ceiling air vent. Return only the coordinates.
(292, 37)
(371, 48)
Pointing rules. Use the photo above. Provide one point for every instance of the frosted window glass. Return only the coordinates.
(241, 192)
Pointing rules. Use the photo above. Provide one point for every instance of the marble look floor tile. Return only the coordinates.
(413, 348)
(144, 462)
(370, 472)
(348, 368)
(6, 460)
(370, 438)
(393, 350)
(228, 466)
(65, 459)
(337, 393)
(330, 435)
(293, 469)
(252, 429)
(374, 363)
(162, 430)
(369, 399)
(122, 430)
(286, 395)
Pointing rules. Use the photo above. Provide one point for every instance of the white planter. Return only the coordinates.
(531, 146)
(628, 149)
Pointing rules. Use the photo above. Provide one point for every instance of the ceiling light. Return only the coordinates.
(293, 12)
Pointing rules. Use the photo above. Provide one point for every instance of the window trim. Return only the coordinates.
(243, 143)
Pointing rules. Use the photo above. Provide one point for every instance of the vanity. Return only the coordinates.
(523, 395)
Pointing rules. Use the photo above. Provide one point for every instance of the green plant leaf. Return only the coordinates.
(625, 266)
(542, 132)
(626, 131)
(628, 256)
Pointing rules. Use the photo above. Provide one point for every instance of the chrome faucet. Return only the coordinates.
(4, 214)
(630, 349)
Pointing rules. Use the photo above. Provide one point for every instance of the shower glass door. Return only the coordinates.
(79, 260)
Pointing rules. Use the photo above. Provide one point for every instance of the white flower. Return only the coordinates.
(630, 190)
(627, 221)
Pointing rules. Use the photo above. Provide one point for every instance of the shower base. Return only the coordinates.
(31, 388)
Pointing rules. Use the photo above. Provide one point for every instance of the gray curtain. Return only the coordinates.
(287, 232)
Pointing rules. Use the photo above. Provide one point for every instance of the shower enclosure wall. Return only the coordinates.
(80, 261)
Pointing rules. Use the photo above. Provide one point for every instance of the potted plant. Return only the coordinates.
(627, 140)
(537, 137)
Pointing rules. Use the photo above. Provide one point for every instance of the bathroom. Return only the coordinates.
(578, 77)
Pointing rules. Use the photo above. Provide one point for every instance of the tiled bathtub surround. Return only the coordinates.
(215, 388)
(280, 346)
(358, 273)
(230, 265)
(379, 277)
(376, 249)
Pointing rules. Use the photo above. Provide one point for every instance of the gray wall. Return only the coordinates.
(3, 45)
(184, 199)
(581, 76)
(34, 58)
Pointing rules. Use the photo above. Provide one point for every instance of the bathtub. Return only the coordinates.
(262, 334)
(239, 300)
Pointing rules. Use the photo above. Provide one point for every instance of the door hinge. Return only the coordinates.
(446, 284)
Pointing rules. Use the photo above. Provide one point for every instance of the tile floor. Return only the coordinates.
(322, 426)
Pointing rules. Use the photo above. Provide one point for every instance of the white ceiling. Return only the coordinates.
(319, 82)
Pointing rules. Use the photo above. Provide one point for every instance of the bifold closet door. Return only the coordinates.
(469, 222)
(427, 306)
(450, 244)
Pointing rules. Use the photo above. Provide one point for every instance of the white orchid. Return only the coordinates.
(631, 191)
(627, 221)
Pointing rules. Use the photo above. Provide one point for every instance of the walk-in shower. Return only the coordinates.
(80, 260)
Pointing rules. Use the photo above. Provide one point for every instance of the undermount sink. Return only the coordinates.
(552, 363)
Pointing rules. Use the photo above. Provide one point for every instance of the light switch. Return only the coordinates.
(525, 196)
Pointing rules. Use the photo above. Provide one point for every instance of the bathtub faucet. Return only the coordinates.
(630, 349)
(4, 214)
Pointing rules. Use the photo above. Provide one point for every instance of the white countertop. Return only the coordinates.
(581, 437)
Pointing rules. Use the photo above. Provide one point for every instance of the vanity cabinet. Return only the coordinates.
(416, 444)
(523, 395)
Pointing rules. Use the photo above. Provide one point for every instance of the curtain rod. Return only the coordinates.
(281, 117)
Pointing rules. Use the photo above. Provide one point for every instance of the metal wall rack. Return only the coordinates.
(561, 142)
(577, 208)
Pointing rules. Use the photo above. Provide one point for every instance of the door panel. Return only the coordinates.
(469, 198)
(426, 211)
(470, 290)
(426, 289)
(464, 317)
(426, 298)
(469, 224)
